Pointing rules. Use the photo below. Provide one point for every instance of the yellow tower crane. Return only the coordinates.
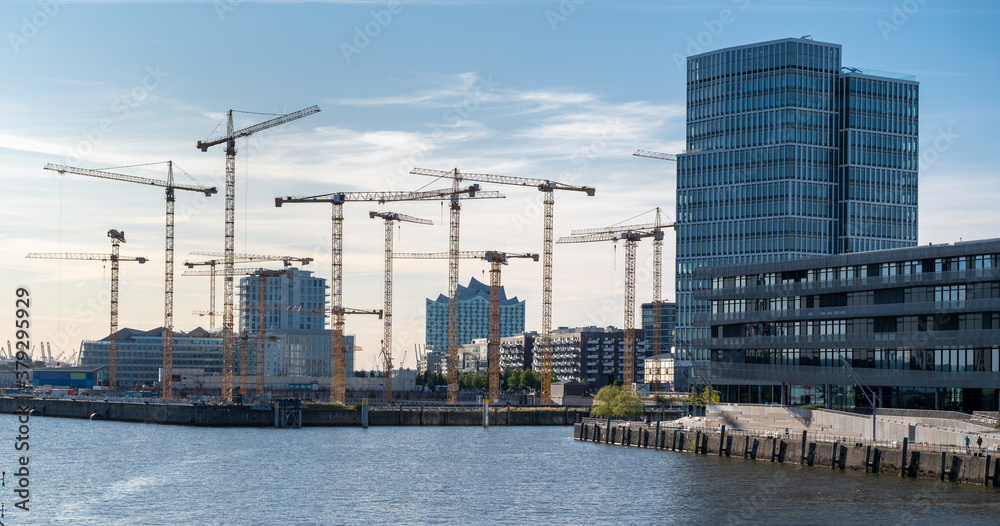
(493, 343)
(548, 188)
(168, 282)
(237, 259)
(116, 238)
(389, 218)
(229, 138)
(337, 199)
(631, 234)
(659, 223)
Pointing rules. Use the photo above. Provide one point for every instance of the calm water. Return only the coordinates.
(113, 473)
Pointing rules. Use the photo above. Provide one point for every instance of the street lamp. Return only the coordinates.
(865, 390)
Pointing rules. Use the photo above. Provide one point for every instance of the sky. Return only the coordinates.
(562, 90)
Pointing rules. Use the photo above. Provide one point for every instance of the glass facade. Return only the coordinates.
(473, 316)
(921, 325)
(668, 322)
(788, 157)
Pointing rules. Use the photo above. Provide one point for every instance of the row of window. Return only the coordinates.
(766, 57)
(974, 321)
(958, 359)
(957, 263)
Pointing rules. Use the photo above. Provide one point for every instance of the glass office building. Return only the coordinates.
(920, 326)
(789, 155)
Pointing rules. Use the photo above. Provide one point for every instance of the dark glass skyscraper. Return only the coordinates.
(789, 155)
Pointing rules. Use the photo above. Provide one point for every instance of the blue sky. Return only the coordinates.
(565, 90)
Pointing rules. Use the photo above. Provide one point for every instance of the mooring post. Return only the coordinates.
(722, 439)
(986, 474)
(656, 437)
(746, 446)
(868, 457)
(774, 448)
(902, 459)
(833, 459)
(876, 460)
(803, 457)
(486, 414)
(697, 441)
(364, 413)
(944, 457)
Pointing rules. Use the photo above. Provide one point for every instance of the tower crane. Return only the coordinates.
(237, 259)
(493, 343)
(548, 188)
(337, 199)
(631, 234)
(227, 268)
(117, 238)
(168, 288)
(389, 217)
(659, 223)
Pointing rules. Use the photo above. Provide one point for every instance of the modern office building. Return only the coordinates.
(298, 342)
(920, 326)
(789, 155)
(660, 373)
(140, 354)
(592, 354)
(473, 316)
(668, 322)
(474, 357)
(517, 352)
(297, 288)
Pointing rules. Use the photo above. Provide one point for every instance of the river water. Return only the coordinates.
(111, 473)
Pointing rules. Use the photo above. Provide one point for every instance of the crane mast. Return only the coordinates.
(168, 274)
(389, 217)
(338, 364)
(630, 234)
(228, 261)
(117, 237)
(548, 188)
(496, 259)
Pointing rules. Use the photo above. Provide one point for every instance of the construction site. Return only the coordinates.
(248, 371)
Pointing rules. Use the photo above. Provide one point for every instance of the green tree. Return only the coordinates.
(703, 397)
(614, 401)
(514, 380)
(530, 379)
(479, 380)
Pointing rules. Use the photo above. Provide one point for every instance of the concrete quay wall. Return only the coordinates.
(776, 418)
(246, 416)
(965, 468)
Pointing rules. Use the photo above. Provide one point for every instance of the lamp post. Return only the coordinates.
(865, 390)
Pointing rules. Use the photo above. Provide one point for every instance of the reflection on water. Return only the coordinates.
(87, 472)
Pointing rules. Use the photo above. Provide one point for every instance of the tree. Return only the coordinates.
(706, 396)
(513, 379)
(530, 379)
(614, 401)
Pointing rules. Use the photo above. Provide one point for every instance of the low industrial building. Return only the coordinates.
(920, 326)
(71, 377)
